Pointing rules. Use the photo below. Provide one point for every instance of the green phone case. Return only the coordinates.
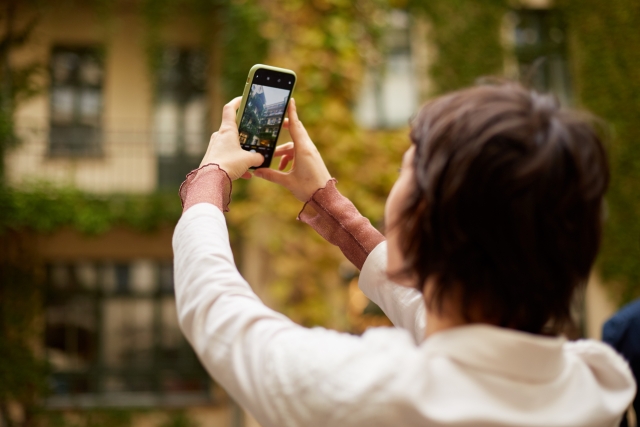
(247, 86)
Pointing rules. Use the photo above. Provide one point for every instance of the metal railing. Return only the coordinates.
(103, 161)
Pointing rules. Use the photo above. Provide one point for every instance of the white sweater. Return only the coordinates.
(287, 375)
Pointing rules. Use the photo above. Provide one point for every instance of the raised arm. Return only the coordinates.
(284, 374)
(336, 219)
(271, 366)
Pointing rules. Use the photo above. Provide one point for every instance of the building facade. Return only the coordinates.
(108, 124)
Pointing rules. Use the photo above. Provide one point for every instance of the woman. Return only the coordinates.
(493, 223)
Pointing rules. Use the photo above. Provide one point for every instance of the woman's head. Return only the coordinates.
(499, 204)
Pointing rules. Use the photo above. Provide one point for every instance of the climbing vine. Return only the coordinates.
(605, 66)
(466, 35)
(606, 69)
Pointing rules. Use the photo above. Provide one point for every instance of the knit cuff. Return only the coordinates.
(338, 221)
(207, 184)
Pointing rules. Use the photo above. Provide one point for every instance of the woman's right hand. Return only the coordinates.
(308, 172)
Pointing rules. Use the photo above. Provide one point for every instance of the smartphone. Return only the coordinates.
(264, 104)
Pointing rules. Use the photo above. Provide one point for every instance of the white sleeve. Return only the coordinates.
(284, 374)
(404, 306)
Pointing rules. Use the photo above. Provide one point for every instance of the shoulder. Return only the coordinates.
(603, 361)
(589, 349)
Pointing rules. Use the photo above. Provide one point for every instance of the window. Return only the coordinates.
(180, 116)
(112, 331)
(75, 101)
(389, 94)
(541, 51)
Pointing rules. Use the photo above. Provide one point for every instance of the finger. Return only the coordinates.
(246, 175)
(284, 149)
(284, 161)
(274, 176)
(285, 124)
(229, 112)
(296, 128)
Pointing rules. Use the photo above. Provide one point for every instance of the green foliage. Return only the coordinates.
(234, 27)
(17, 83)
(242, 43)
(606, 70)
(301, 276)
(466, 34)
(156, 13)
(88, 418)
(22, 373)
(605, 40)
(45, 209)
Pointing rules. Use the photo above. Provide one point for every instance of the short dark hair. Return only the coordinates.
(506, 209)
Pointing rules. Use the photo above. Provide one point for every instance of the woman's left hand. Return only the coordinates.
(224, 146)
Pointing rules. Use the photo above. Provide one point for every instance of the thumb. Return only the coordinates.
(277, 177)
(255, 159)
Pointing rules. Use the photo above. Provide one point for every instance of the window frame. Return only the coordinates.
(553, 74)
(97, 371)
(75, 144)
(180, 91)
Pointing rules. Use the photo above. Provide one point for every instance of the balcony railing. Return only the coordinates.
(104, 161)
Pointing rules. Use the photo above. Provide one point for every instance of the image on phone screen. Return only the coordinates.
(264, 113)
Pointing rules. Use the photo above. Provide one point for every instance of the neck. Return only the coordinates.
(437, 323)
(447, 317)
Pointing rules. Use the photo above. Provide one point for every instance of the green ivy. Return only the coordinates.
(46, 209)
(22, 373)
(605, 60)
(604, 42)
(466, 35)
(243, 44)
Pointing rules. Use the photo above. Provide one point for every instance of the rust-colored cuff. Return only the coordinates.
(207, 184)
(338, 221)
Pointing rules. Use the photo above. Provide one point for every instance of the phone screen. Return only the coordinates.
(264, 112)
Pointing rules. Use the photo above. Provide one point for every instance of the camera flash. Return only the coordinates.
(268, 78)
(278, 79)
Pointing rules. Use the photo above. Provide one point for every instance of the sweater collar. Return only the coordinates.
(520, 355)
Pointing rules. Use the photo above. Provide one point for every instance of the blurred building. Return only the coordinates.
(535, 41)
(108, 125)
